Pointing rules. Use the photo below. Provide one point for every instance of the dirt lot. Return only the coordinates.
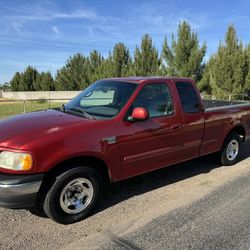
(127, 206)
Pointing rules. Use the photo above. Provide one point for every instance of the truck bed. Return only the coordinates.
(220, 103)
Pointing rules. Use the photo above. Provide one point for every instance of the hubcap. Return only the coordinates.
(232, 150)
(76, 196)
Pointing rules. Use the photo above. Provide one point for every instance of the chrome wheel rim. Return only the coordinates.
(76, 196)
(232, 150)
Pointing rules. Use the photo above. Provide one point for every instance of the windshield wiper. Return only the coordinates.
(81, 110)
(63, 108)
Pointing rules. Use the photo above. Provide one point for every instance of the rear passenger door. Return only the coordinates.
(193, 119)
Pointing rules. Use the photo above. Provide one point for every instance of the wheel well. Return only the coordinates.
(240, 131)
(90, 161)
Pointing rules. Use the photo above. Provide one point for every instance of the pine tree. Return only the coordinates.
(228, 72)
(5, 86)
(120, 60)
(95, 62)
(204, 84)
(247, 81)
(44, 82)
(146, 61)
(28, 79)
(15, 82)
(185, 57)
(74, 75)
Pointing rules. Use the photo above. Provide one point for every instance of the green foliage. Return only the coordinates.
(28, 79)
(247, 81)
(184, 57)
(5, 86)
(121, 61)
(15, 82)
(146, 60)
(95, 63)
(32, 80)
(44, 82)
(74, 75)
(227, 71)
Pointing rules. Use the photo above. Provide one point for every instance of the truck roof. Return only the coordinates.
(141, 79)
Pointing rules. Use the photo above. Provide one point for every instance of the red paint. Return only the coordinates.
(53, 137)
(139, 114)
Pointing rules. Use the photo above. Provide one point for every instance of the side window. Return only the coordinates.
(188, 96)
(156, 99)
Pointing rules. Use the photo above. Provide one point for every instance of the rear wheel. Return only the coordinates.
(231, 150)
(73, 195)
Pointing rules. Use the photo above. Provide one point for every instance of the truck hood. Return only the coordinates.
(20, 129)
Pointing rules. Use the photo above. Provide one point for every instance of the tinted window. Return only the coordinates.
(188, 96)
(156, 99)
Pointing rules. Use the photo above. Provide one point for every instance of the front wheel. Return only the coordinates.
(73, 195)
(231, 150)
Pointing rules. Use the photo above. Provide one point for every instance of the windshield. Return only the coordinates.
(102, 100)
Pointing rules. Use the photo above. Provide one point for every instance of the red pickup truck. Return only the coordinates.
(60, 160)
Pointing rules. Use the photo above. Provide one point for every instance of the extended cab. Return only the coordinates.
(60, 160)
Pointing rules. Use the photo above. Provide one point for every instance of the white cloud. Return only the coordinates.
(55, 30)
(50, 15)
(78, 14)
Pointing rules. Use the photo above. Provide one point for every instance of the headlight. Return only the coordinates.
(15, 161)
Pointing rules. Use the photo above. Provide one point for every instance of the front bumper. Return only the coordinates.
(19, 191)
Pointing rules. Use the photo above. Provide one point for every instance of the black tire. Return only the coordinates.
(38, 211)
(232, 139)
(55, 208)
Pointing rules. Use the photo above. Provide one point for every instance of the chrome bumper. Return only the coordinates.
(7, 190)
(19, 191)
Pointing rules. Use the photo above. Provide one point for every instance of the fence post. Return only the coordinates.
(24, 106)
(49, 99)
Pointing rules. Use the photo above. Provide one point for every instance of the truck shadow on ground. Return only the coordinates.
(124, 190)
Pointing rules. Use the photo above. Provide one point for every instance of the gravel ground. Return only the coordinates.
(127, 207)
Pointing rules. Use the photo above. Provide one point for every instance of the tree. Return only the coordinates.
(74, 75)
(228, 67)
(44, 82)
(185, 57)
(120, 60)
(5, 86)
(15, 82)
(146, 61)
(106, 68)
(247, 81)
(95, 62)
(204, 84)
(28, 79)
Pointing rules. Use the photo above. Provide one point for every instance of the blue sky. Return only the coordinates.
(45, 33)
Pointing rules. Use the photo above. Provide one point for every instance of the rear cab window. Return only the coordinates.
(188, 97)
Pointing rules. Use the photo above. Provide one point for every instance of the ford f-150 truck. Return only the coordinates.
(60, 160)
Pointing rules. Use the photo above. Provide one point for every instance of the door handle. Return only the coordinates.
(176, 126)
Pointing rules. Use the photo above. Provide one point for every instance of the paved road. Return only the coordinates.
(220, 220)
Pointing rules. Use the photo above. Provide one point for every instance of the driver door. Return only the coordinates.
(155, 142)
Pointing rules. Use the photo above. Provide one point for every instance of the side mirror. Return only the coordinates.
(139, 114)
